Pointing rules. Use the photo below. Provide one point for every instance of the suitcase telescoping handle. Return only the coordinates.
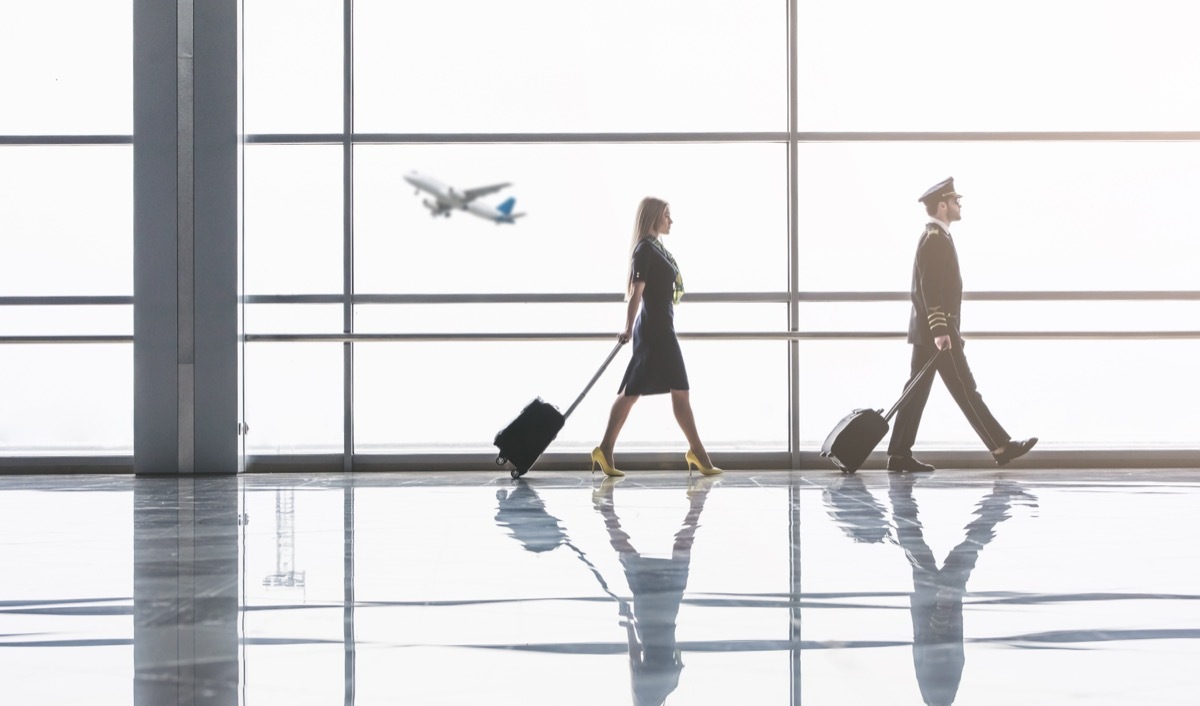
(904, 395)
(603, 367)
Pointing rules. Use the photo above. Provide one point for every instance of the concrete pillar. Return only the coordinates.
(185, 236)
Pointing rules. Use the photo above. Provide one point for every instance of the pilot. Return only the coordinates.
(934, 328)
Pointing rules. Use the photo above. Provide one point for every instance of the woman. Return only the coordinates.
(656, 367)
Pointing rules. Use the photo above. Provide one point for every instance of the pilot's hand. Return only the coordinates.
(942, 343)
(624, 336)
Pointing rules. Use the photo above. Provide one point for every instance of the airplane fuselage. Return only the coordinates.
(447, 199)
(445, 195)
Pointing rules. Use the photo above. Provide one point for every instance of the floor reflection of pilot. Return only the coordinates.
(657, 585)
(855, 510)
(937, 598)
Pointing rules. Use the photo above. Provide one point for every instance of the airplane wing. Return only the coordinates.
(472, 194)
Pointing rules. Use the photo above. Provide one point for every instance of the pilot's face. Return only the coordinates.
(953, 210)
(664, 222)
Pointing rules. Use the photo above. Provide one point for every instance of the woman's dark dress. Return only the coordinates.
(657, 363)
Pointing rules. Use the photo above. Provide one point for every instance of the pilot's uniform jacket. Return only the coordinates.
(937, 300)
(936, 288)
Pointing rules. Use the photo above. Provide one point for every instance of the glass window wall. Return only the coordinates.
(545, 66)
(68, 67)
(728, 202)
(292, 66)
(1035, 215)
(67, 220)
(937, 65)
(1090, 207)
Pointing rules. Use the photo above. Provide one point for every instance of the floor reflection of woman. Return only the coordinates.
(657, 585)
(656, 366)
(937, 598)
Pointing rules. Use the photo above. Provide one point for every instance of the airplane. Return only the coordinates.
(447, 199)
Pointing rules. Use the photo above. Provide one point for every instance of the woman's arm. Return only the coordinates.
(635, 300)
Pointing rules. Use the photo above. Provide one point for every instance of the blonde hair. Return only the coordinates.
(649, 213)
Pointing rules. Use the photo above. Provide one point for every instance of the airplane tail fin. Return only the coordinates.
(507, 207)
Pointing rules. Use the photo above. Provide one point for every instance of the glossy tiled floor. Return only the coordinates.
(968, 587)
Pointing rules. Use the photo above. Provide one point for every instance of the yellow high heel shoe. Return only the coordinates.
(691, 459)
(599, 460)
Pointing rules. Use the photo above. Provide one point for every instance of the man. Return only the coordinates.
(933, 329)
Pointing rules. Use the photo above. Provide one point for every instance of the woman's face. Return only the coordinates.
(664, 222)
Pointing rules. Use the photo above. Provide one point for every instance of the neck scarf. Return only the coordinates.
(677, 285)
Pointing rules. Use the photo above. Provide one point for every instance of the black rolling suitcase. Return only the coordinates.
(527, 436)
(857, 435)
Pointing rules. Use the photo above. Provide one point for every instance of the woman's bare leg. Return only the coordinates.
(616, 420)
(681, 403)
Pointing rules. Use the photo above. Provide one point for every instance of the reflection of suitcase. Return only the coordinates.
(527, 436)
(857, 435)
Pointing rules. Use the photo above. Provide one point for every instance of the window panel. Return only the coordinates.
(66, 400)
(294, 398)
(1081, 316)
(980, 315)
(1036, 215)
(1071, 394)
(1028, 65)
(855, 316)
(739, 395)
(293, 318)
(641, 65)
(292, 66)
(728, 201)
(293, 219)
(67, 220)
(94, 320)
(559, 318)
(68, 68)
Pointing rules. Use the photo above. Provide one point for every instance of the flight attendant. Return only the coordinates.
(656, 367)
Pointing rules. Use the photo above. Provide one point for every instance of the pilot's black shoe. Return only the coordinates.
(1014, 449)
(907, 464)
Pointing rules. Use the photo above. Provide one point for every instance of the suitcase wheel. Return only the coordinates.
(500, 460)
(515, 474)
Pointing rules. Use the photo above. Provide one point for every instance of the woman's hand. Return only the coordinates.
(624, 336)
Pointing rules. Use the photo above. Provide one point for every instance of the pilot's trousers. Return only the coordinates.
(954, 371)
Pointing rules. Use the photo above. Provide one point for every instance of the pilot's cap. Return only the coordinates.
(940, 192)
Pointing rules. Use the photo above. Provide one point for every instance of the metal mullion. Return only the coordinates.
(540, 298)
(71, 140)
(69, 300)
(793, 357)
(46, 340)
(1010, 136)
(793, 235)
(347, 140)
(606, 298)
(702, 335)
(680, 137)
(484, 298)
(568, 137)
(520, 138)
